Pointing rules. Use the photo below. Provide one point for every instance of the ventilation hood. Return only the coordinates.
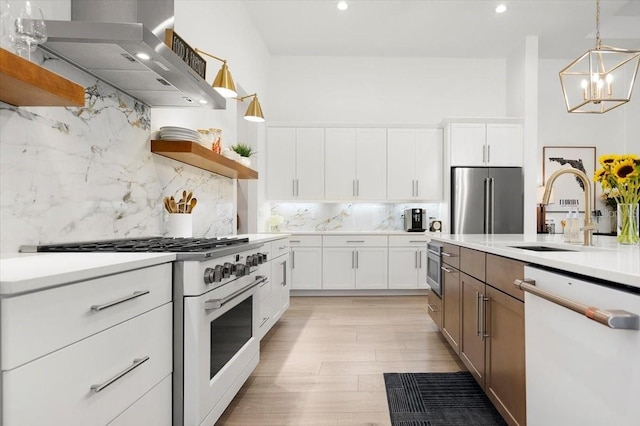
(108, 50)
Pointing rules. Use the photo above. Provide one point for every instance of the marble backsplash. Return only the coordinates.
(301, 217)
(78, 174)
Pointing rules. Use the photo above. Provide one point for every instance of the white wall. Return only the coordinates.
(384, 90)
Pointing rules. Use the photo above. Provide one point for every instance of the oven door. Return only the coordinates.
(434, 272)
(221, 347)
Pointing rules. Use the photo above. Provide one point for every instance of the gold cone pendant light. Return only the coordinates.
(223, 83)
(600, 79)
(254, 112)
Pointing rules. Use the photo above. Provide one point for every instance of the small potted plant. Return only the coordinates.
(245, 151)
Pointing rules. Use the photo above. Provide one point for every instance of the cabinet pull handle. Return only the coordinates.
(265, 282)
(417, 188)
(284, 273)
(264, 320)
(357, 260)
(416, 241)
(282, 247)
(444, 253)
(136, 363)
(420, 258)
(488, 153)
(415, 258)
(353, 260)
(135, 295)
(484, 316)
(446, 269)
(294, 241)
(358, 187)
(484, 153)
(614, 318)
(355, 241)
(431, 307)
(293, 260)
(477, 314)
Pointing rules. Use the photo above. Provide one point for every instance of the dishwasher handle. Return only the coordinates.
(613, 318)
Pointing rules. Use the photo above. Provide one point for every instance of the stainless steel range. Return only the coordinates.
(216, 346)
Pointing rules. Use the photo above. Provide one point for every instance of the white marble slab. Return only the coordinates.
(21, 273)
(605, 260)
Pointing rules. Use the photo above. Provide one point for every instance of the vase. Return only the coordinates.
(628, 223)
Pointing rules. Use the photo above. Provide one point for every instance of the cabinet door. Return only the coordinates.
(504, 145)
(505, 364)
(280, 285)
(371, 164)
(340, 164)
(338, 268)
(400, 164)
(371, 267)
(422, 269)
(428, 164)
(404, 267)
(451, 307)
(281, 163)
(472, 347)
(306, 268)
(467, 144)
(310, 164)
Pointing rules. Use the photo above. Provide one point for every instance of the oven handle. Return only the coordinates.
(613, 318)
(212, 304)
(434, 252)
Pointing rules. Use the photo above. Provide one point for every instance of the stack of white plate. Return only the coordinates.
(179, 134)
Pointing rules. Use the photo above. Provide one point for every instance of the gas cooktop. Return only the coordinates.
(142, 245)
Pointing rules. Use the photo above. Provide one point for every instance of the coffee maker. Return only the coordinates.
(415, 220)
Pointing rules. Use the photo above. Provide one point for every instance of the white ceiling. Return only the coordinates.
(451, 28)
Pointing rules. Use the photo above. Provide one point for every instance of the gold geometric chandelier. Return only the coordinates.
(601, 79)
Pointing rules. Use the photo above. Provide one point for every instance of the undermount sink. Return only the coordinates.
(541, 248)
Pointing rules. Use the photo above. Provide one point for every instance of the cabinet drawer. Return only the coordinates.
(354, 240)
(501, 272)
(434, 307)
(264, 289)
(417, 240)
(153, 409)
(306, 241)
(451, 255)
(266, 248)
(280, 247)
(57, 389)
(36, 324)
(472, 262)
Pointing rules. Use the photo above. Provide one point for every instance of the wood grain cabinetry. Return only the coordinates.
(489, 312)
(434, 307)
(451, 301)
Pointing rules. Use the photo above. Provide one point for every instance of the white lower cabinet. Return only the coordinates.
(354, 262)
(94, 350)
(408, 262)
(306, 262)
(280, 279)
(94, 380)
(150, 410)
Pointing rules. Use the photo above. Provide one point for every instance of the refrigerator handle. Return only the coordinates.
(487, 207)
(493, 203)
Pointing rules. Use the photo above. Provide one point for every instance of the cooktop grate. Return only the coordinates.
(153, 244)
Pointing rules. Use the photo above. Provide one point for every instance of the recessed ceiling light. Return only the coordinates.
(501, 8)
(342, 5)
(143, 56)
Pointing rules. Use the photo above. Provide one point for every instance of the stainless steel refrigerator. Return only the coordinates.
(487, 200)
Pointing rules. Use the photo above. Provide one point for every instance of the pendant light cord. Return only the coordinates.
(598, 43)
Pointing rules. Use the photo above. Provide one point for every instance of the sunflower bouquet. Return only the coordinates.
(619, 177)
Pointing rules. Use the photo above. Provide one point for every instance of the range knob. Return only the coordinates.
(254, 260)
(251, 260)
(227, 270)
(241, 270)
(262, 258)
(213, 275)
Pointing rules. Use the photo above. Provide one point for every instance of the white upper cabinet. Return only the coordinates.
(295, 163)
(414, 162)
(486, 144)
(355, 164)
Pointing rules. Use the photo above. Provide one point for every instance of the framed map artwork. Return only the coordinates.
(568, 189)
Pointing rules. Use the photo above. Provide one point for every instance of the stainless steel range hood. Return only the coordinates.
(108, 51)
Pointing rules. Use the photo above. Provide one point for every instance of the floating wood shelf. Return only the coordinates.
(23, 83)
(196, 155)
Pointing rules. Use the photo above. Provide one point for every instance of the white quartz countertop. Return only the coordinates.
(605, 260)
(263, 238)
(381, 232)
(27, 272)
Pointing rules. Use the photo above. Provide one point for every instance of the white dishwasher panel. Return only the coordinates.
(580, 372)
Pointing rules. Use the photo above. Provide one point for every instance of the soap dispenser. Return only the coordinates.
(575, 228)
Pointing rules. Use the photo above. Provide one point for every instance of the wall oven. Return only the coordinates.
(434, 267)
